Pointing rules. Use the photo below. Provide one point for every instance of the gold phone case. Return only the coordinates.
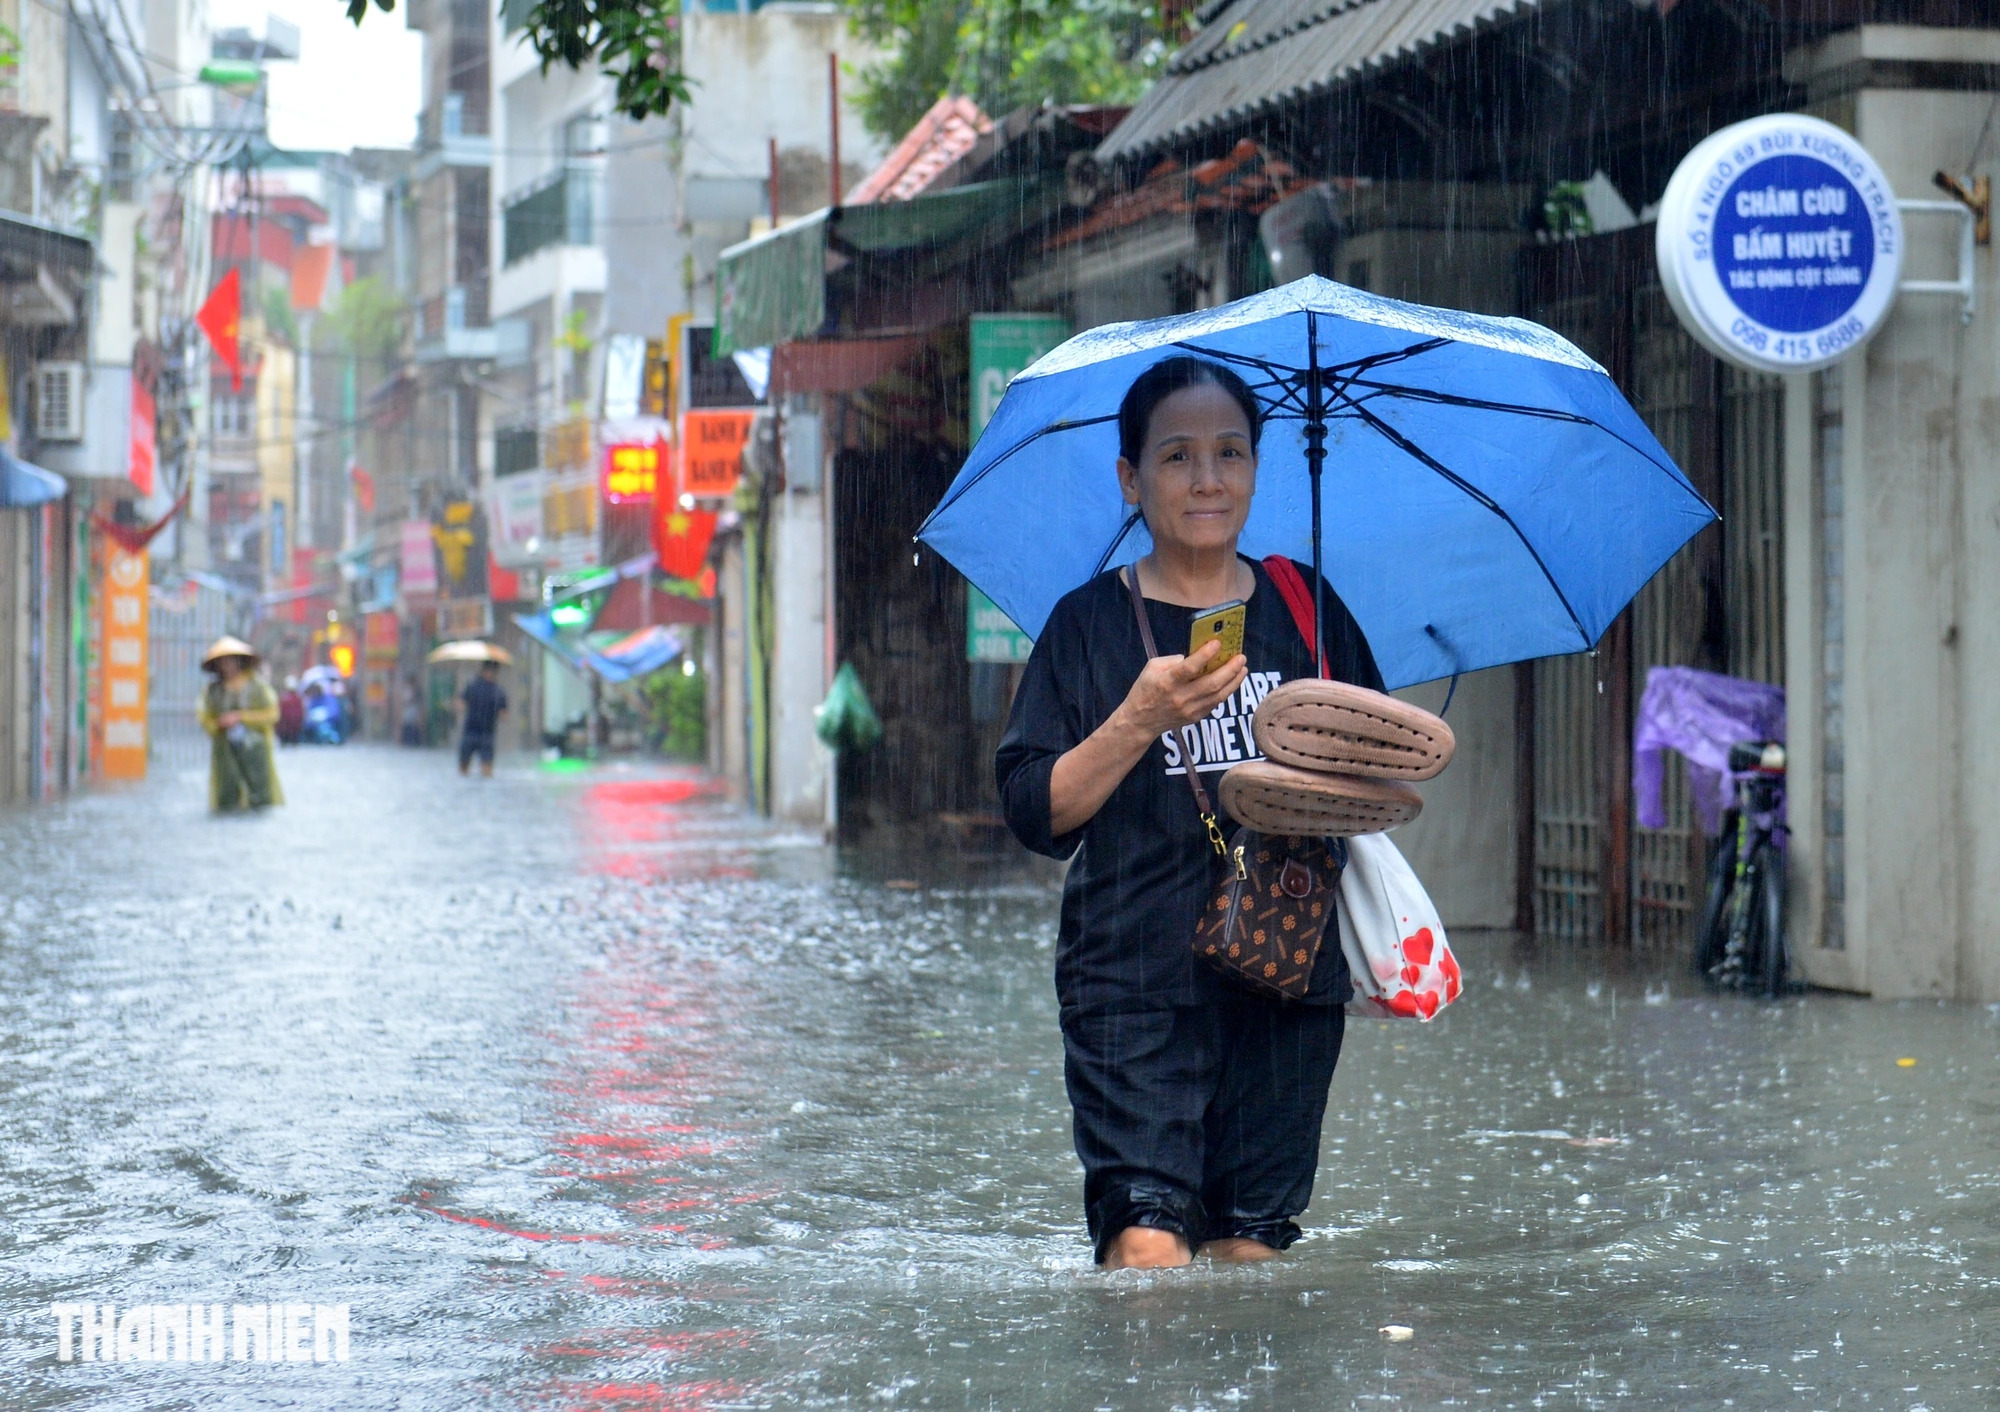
(1223, 623)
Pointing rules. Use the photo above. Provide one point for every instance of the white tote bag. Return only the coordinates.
(1389, 930)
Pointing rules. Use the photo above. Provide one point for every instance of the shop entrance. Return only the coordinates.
(1718, 605)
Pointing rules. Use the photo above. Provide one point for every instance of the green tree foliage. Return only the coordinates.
(366, 322)
(1004, 53)
(278, 316)
(1007, 53)
(677, 712)
(636, 43)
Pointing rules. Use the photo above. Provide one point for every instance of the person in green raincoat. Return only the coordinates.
(239, 711)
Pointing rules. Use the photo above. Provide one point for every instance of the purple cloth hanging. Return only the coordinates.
(1700, 714)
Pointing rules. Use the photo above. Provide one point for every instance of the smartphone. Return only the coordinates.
(1222, 623)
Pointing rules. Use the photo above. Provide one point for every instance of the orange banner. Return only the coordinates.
(123, 672)
(712, 445)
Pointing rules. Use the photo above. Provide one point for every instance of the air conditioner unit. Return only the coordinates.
(59, 401)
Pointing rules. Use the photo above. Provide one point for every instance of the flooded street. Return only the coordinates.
(585, 1092)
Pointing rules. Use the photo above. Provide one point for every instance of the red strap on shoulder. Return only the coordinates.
(1292, 588)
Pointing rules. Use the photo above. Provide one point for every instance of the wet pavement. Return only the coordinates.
(584, 1092)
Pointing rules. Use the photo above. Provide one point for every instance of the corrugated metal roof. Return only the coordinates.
(1255, 54)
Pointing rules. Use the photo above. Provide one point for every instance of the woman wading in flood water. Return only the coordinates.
(1197, 1103)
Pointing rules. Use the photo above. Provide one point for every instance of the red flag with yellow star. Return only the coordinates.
(220, 318)
(681, 538)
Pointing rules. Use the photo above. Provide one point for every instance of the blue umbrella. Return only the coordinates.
(1489, 495)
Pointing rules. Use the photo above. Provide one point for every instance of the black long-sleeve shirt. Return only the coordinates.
(1144, 865)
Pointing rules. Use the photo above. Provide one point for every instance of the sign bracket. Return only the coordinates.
(1962, 287)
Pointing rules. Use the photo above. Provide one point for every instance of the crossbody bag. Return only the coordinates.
(1267, 912)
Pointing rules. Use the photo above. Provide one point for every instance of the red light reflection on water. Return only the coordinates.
(645, 1397)
(636, 826)
(639, 1080)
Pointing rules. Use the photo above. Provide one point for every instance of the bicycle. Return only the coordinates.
(1741, 944)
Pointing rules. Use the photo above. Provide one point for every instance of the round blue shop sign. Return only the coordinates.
(1780, 244)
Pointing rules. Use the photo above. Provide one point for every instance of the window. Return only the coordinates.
(234, 414)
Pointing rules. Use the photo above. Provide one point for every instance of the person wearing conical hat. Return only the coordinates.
(239, 711)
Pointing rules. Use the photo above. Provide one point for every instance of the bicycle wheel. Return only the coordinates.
(1713, 935)
(1769, 918)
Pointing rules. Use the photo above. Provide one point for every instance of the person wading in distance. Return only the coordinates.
(1197, 1103)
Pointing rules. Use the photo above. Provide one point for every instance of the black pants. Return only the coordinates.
(470, 745)
(1203, 1120)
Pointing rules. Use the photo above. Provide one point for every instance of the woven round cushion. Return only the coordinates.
(1274, 798)
(1329, 725)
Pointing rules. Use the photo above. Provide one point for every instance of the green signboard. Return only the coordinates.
(1002, 345)
(989, 634)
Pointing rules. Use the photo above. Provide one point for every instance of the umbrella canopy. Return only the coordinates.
(470, 651)
(1484, 492)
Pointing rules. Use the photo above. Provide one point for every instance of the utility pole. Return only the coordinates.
(833, 123)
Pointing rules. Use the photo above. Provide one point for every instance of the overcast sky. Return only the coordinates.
(352, 87)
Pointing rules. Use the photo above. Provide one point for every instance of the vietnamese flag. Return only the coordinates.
(364, 487)
(681, 538)
(220, 318)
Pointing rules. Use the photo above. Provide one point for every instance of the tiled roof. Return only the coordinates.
(1253, 55)
(943, 135)
(1248, 179)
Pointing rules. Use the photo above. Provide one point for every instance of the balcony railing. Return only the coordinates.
(560, 210)
(462, 306)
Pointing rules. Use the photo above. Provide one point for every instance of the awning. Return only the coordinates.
(1254, 55)
(635, 655)
(772, 289)
(23, 485)
(839, 365)
(542, 629)
(633, 604)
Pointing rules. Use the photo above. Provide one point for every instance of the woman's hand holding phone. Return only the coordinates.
(1177, 691)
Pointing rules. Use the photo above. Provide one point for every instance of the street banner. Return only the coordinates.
(419, 559)
(464, 617)
(712, 444)
(1002, 345)
(514, 518)
(127, 579)
(632, 471)
(381, 640)
(143, 452)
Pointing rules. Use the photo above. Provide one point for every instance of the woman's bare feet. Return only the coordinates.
(1238, 1250)
(1144, 1248)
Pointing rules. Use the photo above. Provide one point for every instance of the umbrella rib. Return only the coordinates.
(1116, 540)
(1374, 360)
(957, 492)
(1425, 458)
(1452, 399)
(1280, 377)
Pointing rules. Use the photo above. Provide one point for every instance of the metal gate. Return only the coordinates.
(1718, 604)
(184, 622)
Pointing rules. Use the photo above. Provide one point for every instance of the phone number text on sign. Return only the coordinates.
(1780, 244)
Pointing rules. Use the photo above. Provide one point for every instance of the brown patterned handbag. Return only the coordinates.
(1273, 896)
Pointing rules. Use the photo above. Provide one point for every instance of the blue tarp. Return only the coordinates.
(627, 658)
(23, 486)
(636, 654)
